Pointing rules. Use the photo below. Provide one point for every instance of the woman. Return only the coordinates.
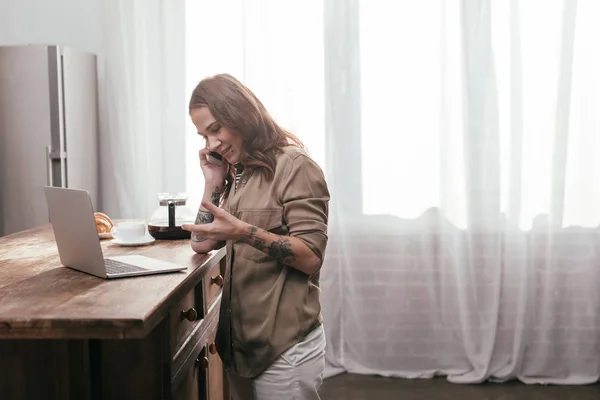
(272, 218)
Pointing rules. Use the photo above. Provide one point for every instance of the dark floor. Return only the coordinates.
(359, 387)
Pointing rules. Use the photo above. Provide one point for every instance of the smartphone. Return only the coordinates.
(214, 158)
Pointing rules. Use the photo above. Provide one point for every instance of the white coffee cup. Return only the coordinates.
(129, 231)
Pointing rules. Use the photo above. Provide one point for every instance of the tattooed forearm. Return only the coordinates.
(254, 241)
(293, 252)
(197, 238)
(206, 217)
(203, 217)
(215, 196)
(280, 248)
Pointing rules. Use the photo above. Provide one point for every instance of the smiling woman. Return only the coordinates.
(268, 203)
(218, 139)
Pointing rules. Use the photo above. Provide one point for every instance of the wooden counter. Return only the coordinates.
(68, 335)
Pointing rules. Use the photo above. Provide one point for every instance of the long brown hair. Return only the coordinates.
(235, 107)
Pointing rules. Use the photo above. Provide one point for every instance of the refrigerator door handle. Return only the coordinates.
(49, 179)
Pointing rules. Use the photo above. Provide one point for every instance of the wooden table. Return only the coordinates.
(68, 335)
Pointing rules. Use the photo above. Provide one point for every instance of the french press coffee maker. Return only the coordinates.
(166, 221)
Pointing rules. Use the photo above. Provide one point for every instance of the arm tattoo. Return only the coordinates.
(206, 217)
(280, 249)
(203, 217)
(253, 241)
(215, 196)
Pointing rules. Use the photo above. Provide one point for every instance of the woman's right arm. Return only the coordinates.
(212, 193)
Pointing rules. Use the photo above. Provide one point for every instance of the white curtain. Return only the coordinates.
(142, 104)
(268, 46)
(461, 142)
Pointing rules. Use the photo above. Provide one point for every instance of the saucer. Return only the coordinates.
(138, 242)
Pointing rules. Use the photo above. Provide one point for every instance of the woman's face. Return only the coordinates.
(218, 138)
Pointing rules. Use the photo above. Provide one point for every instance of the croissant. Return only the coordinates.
(103, 223)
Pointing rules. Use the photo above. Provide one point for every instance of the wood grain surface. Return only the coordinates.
(40, 298)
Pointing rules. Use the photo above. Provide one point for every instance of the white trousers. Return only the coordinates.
(295, 375)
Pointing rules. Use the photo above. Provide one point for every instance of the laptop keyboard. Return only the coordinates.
(118, 267)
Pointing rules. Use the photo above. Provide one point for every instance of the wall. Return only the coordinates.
(67, 22)
(141, 53)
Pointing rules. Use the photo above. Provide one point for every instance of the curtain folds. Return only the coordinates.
(460, 141)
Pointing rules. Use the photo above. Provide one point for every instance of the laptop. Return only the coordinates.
(72, 218)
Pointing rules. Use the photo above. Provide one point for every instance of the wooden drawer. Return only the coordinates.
(191, 309)
(203, 380)
(193, 383)
(196, 369)
(198, 338)
(214, 378)
(213, 282)
(185, 316)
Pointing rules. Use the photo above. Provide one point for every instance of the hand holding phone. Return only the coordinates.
(214, 168)
(214, 158)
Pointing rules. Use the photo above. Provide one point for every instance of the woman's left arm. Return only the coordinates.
(289, 250)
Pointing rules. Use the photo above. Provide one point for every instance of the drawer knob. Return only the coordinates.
(191, 314)
(218, 280)
(212, 348)
(202, 362)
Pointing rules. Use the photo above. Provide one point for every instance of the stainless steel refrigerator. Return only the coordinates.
(48, 129)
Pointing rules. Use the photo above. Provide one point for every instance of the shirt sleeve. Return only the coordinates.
(305, 199)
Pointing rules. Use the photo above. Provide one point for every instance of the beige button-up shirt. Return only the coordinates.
(267, 306)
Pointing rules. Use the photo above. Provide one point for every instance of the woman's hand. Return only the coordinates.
(224, 226)
(214, 174)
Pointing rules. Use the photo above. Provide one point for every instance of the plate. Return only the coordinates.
(139, 242)
(107, 235)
